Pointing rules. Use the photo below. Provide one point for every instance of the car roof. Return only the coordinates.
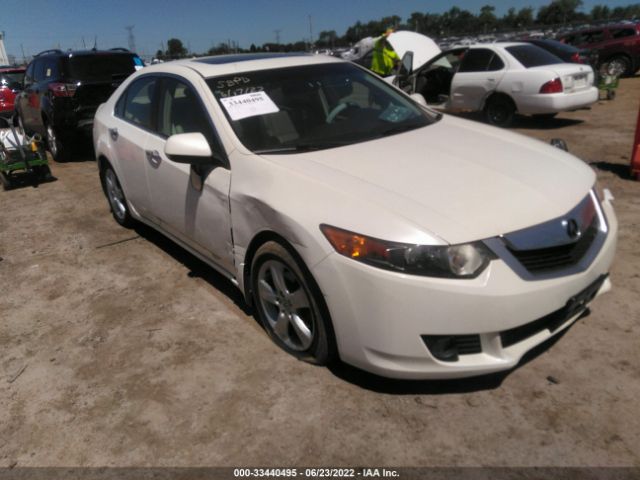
(237, 63)
(78, 53)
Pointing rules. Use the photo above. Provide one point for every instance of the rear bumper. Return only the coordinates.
(556, 102)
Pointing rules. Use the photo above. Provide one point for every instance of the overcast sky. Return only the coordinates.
(41, 24)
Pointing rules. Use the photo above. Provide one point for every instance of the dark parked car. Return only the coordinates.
(62, 91)
(568, 53)
(618, 45)
(11, 79)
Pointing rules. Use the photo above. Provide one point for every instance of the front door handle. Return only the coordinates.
(113, 133)
(153, 157)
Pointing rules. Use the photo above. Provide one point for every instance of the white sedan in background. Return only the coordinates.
(360, 224)
(501, 79)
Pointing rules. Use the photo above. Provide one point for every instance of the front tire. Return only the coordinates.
(287, 303)
(499, 111)
(115, 196)
(620, 63)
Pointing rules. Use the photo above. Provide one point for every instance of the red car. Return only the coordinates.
(618, 44)
(11, 82)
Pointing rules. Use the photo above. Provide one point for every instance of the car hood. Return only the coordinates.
(457, 180)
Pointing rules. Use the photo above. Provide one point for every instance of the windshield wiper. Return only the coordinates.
(301, 147)
(399, 129)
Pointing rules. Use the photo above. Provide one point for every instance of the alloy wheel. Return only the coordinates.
(286, 305)
(115, 195)
(52, 141)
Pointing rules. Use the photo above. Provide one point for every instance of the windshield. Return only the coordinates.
(11, 80)
(533, 56)
(313, 107)
(100, 67)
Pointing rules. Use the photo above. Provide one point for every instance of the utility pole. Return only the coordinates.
(84, 45)
(24, 57)
(131, 38)
(277, 32)
(310, 32)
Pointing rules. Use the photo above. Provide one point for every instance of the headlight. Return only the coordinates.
(466, 260)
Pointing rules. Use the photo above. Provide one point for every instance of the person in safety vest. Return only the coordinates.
(384, 56)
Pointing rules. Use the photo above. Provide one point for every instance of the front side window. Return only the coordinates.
(180, 110)
(138, 103)
(531, 56)
(313, 107)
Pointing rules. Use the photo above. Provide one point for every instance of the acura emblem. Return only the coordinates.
(573, 230)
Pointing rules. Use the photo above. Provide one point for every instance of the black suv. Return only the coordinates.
(62, 91)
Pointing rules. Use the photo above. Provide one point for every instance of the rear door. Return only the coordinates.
(479, 74)
(191, 203)
(133, 125)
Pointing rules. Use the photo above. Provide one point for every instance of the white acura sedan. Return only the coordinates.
(500, 80)
(359, 224)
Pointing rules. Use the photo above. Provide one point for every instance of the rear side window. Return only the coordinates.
(11, 79)
(531, 56)
(480, 60)
(100, 67)
(138, 104)
(622, 32)
(476, 60)
(38, 70)
(50, 69)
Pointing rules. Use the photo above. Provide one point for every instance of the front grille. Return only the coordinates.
(558, 257)
(576, 304)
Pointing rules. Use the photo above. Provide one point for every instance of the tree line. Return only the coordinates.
(454, 22)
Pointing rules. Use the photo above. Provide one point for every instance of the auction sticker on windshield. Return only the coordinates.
(249, 105)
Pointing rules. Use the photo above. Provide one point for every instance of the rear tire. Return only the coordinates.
(288, 304)
(499, 111)
(60, 151)
(115, 196)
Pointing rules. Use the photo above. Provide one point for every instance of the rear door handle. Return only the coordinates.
(113, 133)
(153, 157)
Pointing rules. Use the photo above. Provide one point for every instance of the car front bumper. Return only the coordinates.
(380, 316)
(556, 102)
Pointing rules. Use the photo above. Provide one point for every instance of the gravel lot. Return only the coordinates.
(117, 348)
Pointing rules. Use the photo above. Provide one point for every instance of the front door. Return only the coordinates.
(191, 203)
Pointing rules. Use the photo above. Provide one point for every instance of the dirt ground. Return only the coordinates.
(117, 348)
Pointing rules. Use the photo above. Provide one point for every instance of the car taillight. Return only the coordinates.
(576, 58)
(2, 94)
(62, 89)
(552, 86)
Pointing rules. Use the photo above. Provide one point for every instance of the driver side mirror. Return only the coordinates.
(191, 148)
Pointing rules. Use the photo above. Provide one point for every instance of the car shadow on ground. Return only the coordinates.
(392, 386)
(621, 170)
(197, 268)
